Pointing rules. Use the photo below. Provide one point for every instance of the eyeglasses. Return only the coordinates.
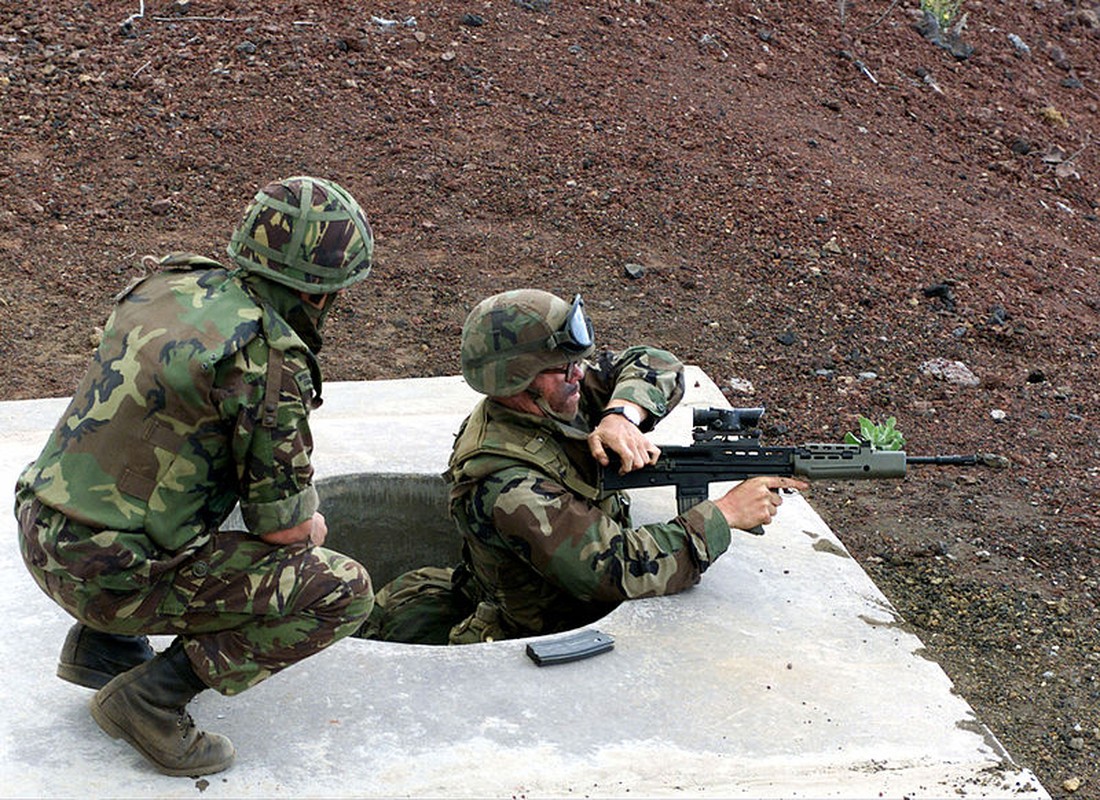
(566, 369)
(575, 334)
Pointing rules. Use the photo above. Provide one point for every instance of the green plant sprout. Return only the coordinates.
(880, 437)
(943, 11)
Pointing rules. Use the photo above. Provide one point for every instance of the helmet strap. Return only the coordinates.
(307, 318)
(303, 316)
(544, 407)
(317, 307)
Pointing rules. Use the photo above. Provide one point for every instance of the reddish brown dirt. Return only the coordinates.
(807, 195)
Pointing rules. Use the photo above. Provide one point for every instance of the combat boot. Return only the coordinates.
(147, 707)
(91, 658)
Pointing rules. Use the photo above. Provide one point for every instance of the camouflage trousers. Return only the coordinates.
(420, 606)
(243, 608)
(434, 605)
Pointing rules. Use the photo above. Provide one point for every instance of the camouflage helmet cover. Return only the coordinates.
(511, 337)
(305, 233)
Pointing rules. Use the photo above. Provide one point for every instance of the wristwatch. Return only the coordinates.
(629, 412)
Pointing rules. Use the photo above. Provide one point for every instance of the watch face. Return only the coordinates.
(625, 411)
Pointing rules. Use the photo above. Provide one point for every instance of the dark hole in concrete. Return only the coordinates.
(390, 523)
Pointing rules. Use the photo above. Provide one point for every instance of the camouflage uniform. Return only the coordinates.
(199, 395)
(546, 548)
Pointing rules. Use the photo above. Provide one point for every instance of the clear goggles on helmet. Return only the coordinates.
(575, 334)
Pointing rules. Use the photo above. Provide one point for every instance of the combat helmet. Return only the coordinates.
(305, 233)
(511, 337)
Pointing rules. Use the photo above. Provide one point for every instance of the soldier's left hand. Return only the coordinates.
(621, 436)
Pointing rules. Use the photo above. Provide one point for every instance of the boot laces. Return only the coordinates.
(184, 722)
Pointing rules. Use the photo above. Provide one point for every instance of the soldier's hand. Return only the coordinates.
(622, 437)
(755, 501)
(308, 532)
(320, 529)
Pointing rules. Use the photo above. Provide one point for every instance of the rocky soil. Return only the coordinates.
(831, 213)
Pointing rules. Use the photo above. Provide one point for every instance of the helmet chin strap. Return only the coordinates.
(544, 407)
(319, 313)
(304, 316)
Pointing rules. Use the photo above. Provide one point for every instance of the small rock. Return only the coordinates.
(741, 386)
(951, 371)
(1021, 46)
(786, 338)
(994, 461)
(472, 20)
(634, 271)
(160, 207)
(1071, 784)
(943, 291)
(1090, 18)
(998, 415)
(1058, 56)
(350, 43)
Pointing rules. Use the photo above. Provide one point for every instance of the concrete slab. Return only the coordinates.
(785, 673)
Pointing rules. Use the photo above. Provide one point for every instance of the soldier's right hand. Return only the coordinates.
(320, 529)
(309, 532)
(755, 501)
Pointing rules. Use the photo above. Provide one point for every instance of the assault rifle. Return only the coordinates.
(727, 447)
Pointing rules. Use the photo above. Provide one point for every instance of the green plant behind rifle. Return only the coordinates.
(943, 11)
(880, 437)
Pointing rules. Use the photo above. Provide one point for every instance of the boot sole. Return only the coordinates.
(115, 731)
(82, 676)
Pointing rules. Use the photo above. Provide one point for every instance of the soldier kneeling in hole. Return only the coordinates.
(544, 548)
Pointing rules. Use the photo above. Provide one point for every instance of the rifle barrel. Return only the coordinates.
(961, 461)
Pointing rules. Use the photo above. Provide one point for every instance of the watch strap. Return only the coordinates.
(623, 411)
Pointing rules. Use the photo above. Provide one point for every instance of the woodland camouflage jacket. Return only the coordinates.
(544, 543)
(198, 395)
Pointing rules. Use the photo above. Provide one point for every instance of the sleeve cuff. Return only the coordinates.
(710, 533)
(264, 518)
